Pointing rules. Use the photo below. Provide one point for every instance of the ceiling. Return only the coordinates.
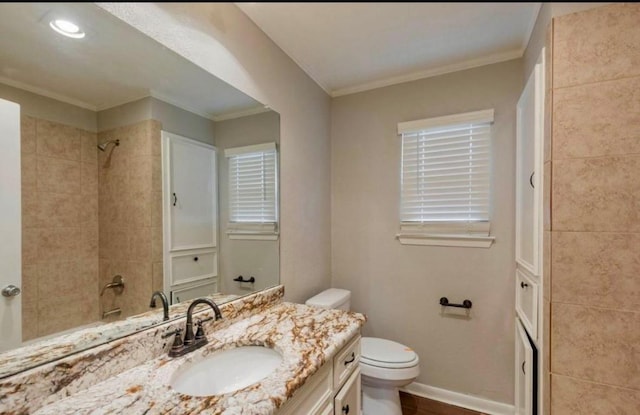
(352, 47)
(114, 64)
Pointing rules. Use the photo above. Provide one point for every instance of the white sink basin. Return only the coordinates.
(225, 371)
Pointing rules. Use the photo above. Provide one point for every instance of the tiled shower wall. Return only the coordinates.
(87, 216)
(130, 189)
(595, 229)
(59, 227)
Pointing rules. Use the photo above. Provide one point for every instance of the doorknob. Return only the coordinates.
(10, 291)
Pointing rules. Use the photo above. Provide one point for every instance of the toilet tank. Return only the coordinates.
(332, 298)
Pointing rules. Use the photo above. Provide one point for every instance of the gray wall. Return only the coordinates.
(242, 257)
(398, 286)
(50, 109)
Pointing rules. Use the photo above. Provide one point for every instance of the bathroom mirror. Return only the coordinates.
(100, 104)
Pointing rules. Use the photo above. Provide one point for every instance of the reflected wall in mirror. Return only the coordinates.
(97, 191)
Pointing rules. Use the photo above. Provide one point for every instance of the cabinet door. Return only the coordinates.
(524, 372)
(529, 173)
(192, 193)
(348, 400)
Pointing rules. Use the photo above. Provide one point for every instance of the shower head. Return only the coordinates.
(103, 146)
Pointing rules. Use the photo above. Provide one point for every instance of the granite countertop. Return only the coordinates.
(307, 337)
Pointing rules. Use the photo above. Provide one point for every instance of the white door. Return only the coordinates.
(10, 227)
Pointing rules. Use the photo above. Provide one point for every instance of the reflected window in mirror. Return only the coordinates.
(253, 207)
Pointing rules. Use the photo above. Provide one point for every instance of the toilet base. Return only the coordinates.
(380, 401)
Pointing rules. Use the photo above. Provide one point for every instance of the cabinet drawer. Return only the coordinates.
(186, 294)
(345, 361)
(525, 369)
(313, 398)
(193, 266)
(347, 401)
(527, 302)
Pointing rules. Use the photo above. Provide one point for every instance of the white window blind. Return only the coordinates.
(253, 188)
(446, 166)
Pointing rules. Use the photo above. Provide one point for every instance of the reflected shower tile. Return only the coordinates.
(574, 396)
(57, 140)
(58, 176)
(27, 134)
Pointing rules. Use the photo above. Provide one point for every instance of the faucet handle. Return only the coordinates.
(200, 330)
(177, 340)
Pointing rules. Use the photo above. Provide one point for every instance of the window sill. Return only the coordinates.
(254, 236)
(466, 241)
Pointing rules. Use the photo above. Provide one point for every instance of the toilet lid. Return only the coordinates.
(386, 353)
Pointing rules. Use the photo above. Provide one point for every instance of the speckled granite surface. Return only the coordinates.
(31, 389)
(131, 375)
(38, 353)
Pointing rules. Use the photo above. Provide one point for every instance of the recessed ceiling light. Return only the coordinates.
(67, 28)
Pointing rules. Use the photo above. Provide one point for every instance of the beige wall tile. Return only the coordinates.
(140, 174)
(58, 244)
(546, 265)
(137, 209)
(88, 147)
(158, 276)
(62, 282)
(156, 137)
(114, 243)
(596, 344)
(29, 208)
(546, 358)
(71, 314)
(156, 244)
(597, 269)
(29, 285)
(156, 209)
(29, 321)
(59, 176)
(56, 210)
(29, 170)
(90, 242)
(88, 211)
(156, 173)
(597, 119)
(57, 140)
(30, 246)
(574, 396)
(139, 280)
(27, 134)
(601, 194)
(596, 45)
(546, 197)
(140, 244)
(88, 179)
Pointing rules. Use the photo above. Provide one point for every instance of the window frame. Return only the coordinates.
(446, 233)
(252, 230)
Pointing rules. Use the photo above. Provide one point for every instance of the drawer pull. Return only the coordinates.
(345, 409)
(353, 357)
(524, 285)
(523, 363)
(195, 258)
(531, 180)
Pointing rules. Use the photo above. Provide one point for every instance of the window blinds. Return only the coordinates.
(446, 170)
(253, 184)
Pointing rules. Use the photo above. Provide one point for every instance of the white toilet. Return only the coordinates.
(385, 365)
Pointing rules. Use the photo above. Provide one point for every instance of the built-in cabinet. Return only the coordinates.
(190, 214)
(529, 244)
(333, 390)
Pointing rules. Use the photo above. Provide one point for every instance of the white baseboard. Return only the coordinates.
(474, 403)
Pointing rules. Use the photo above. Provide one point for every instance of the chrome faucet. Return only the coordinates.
(192, 341)
(165, 303)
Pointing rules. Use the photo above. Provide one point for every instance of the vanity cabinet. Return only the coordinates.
(529, 244)
(190, 216)
(333, 390)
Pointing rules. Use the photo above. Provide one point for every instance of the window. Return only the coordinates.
(253, 192)
(445, 180)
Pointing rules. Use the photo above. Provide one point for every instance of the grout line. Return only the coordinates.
(605, 232)
(594, 382)
(605, 156)
(597, 307)
(597, 82)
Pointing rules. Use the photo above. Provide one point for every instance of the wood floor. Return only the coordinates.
(415, 405)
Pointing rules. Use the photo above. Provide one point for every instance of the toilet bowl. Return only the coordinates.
(385, 365)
